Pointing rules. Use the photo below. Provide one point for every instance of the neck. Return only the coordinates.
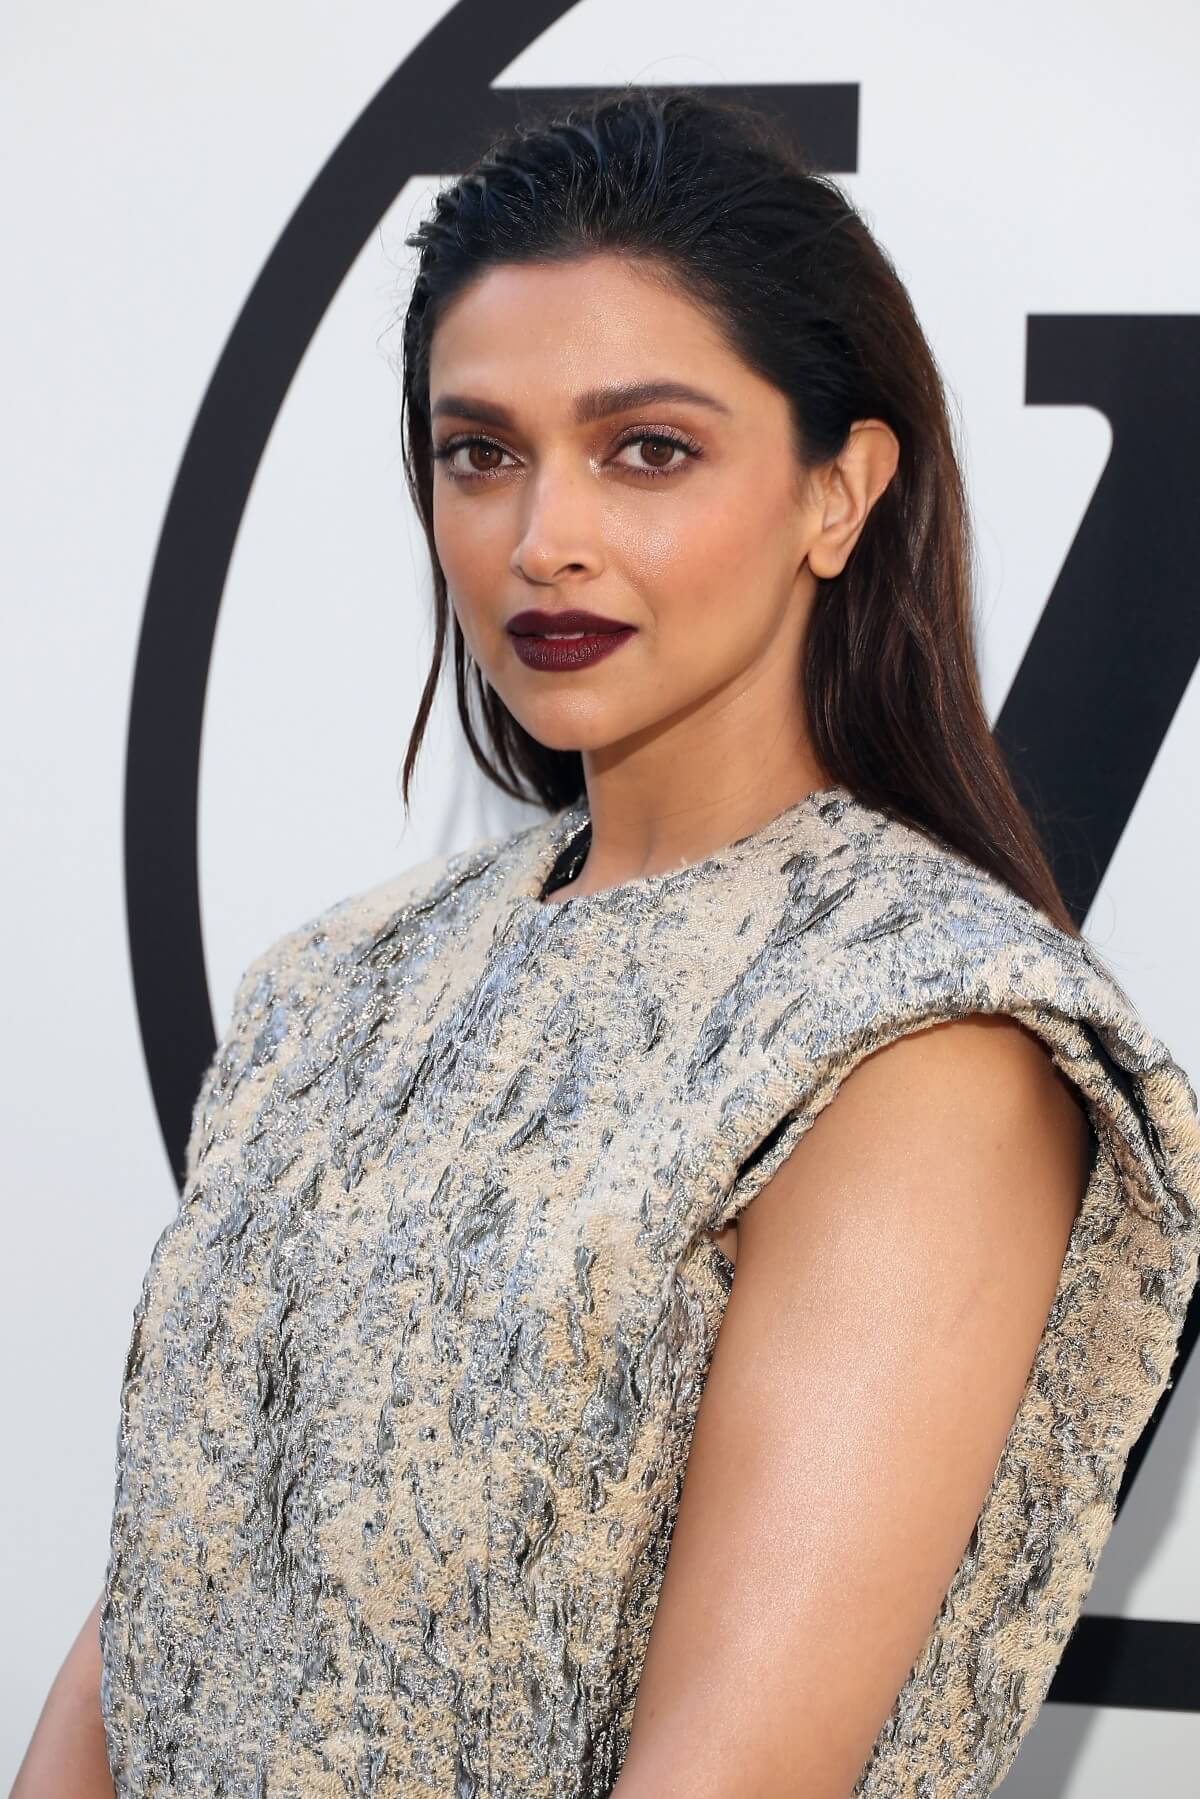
(634, 832)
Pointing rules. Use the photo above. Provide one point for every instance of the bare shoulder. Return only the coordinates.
(894, 1278)
(968, 1107)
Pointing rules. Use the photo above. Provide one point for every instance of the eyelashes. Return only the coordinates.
(677, 440)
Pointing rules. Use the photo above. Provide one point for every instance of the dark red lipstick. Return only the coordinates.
(564, 640)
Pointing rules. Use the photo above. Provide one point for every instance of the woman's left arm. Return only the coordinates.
(893, 1281)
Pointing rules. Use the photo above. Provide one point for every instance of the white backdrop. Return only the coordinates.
(1044, 159)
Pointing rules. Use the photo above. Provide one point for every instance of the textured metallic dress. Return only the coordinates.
(416, 1364)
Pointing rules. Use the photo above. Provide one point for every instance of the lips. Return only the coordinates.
(535, 623)
(559, 642)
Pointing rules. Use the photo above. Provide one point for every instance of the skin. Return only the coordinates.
(894, 1277)
(66, 1753)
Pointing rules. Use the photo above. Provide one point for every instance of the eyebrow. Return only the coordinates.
(596, 403)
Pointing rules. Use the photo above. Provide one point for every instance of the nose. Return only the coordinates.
(559, 518)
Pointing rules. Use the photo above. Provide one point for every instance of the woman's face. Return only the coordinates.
(681, 518)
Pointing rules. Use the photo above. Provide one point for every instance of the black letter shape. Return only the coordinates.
(1115, 648)
(1101, 681)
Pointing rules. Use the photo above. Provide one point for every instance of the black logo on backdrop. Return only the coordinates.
(1099, 685)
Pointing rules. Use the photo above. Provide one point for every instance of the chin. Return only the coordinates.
(566, 739)
(571, 724)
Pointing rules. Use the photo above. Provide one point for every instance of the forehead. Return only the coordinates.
(562, 325)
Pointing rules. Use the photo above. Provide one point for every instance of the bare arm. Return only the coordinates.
(893, 1280)
(66, 1753)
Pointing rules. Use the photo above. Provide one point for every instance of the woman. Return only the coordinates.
(780, 983)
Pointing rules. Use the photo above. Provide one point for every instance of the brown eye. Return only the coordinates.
(662, 447)
(448, 453)
(480, 448)
(659, 453)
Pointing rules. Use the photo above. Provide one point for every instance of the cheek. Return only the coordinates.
(696, 560)
(706, 537)
(685, 541)
(459, 533)
(474, 551)
(717, 583)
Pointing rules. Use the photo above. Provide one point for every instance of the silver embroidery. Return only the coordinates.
(415, 1367)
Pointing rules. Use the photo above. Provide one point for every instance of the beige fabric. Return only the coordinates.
(414, 1371)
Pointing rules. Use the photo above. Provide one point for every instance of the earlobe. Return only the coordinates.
(840, 529)
(824, 563)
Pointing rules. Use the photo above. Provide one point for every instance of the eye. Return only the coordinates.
(447, 451)
(668, 441)
(662, 440)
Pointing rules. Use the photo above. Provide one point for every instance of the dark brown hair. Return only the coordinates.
(716, 196)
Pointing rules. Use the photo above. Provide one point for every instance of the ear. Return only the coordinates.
(847, 488)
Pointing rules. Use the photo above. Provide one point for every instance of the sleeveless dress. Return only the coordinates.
(416, 1364)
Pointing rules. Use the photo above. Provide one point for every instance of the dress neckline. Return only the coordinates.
(573, 822)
